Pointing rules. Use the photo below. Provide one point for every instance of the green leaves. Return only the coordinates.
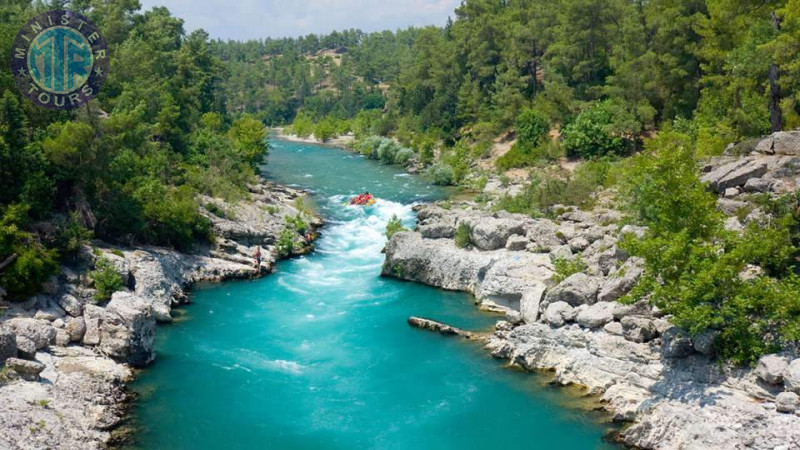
(743, 286)
(594, 132)
(394, 226)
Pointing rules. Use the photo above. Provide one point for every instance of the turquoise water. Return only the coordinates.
(319, 355)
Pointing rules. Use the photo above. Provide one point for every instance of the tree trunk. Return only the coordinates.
(775, 114)
(8, 261)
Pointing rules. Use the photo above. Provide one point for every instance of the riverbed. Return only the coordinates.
(318, 355)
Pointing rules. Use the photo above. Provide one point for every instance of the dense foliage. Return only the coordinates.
(128, 167)
(705, 276)
(394, 226)
(606, 73)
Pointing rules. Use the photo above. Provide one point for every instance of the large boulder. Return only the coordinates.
(70, 304)
(622, 281)
(530, 302)
(26, 348)
(705, 342)
(770, 368)
(559, 313)
(8, 344)
(127, 331)
(641, 308)
(577, 289)
(787, 143)
(676, 343)
(761, 185)
(438, 230)
(491, 234)
(517, 243)
(92, 316)
(27, 370)
(791, 376)
(545, 235)
(735, 174)
(597, 315)
(76, 328)
(638, 329)
(41, 332)
(787, 402)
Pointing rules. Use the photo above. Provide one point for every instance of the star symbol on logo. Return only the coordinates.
(98, 71)
(22, 72)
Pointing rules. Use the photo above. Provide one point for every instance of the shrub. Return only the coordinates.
(33, 265)
(369, 146)
(286, 241)
(693, 266)
(302, 126)
(403, 156)
(171, 215)
(324, 130)
(106, 280)
(299, 224)
(567, 267)
(387, 150)
(592, 134)
(545, 191)
(463, 236)
(70, 235)
(459, 158)
(394, 226)
(532, 128)
(441, 174)
(215, 210)
(518, 156)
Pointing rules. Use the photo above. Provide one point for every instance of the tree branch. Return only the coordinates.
(8, 261)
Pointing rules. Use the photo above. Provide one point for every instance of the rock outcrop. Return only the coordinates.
(643, 369)
(67, 357)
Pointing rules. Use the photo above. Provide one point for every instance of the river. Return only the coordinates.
(318, 355)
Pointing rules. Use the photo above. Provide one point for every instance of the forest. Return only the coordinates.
(631, 66)
(636, 91)
(128, 167)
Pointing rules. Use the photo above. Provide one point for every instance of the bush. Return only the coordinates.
(70, 235)
(460, 158)
(286, 241)
(171, 215)
(299, 224)
(545, 190)
(33, 265)
(106, 280)
(441, 174)
(394, 226)
(568, 267)
(403, 156)
(324, 130)
(215, 210)
(693, 265)
(532, 128)
(592, 134)
(463, 236)
(302, 125)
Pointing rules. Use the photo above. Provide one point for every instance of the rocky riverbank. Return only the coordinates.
(68, 357)
(646, 372)
(344, 141)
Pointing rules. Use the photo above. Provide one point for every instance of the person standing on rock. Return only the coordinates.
(258, 257)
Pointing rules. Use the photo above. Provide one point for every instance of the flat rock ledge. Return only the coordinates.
(660, 381)
(65, 359)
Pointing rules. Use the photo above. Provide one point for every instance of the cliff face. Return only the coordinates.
(644, 370)
(68, 358)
